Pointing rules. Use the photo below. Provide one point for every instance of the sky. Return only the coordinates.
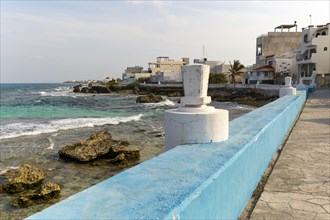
(55, 41)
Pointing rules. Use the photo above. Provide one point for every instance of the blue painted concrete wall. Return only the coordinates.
(200, 181)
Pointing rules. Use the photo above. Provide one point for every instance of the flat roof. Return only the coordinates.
(286, 26)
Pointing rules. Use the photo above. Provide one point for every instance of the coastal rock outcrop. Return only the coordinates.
(84, 90)
(91, 89)
(41, 194)
(101, 145)
(151, 98)
(21, 179)
(128, 154)
(27, 181)
(99, 89)
(97, 145)
(77, 88)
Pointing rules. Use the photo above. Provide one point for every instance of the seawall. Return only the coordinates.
(201, 181)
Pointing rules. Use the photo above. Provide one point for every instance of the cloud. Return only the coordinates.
(95, 39)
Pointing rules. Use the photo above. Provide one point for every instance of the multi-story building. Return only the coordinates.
(166, 69)
(313, 56)
(274, 55)
(274, 70)
(132, 74)
(276, 43)
(166, 64)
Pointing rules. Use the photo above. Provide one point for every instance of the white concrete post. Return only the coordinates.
(195, 122)
(288, 89)
(301, 84)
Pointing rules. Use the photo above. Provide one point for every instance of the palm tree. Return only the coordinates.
(235, 70)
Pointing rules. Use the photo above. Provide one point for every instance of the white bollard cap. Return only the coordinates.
(195, 84)
(288, 81)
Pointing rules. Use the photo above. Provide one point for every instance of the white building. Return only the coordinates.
(215, 66)
(313, 57)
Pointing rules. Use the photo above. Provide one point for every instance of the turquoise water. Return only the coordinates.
(30, 109)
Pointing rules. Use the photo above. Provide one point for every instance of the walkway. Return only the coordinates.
(299, 186)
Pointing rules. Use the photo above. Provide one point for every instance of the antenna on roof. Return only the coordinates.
(203, 51)
(310, 19)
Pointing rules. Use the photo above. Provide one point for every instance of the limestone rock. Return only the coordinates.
(43, 193)
(119, 160)
(151, 98)
(97, 145)
(21, 179)
(129, 153)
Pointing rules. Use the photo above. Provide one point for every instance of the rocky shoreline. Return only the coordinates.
(100, 145)
(245, 96)
(27, 185)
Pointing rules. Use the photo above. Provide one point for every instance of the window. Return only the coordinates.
(258, 73)
(259, 52)
(266, 74)
(270, 63)
(325, 49)
(305, 38)
(323, 33)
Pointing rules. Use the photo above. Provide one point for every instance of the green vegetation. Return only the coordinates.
(235, 70)
(217, 78)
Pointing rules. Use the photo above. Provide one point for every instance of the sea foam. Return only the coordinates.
(166, 102)
(21, 129)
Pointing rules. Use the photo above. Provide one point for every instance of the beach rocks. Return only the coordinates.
(77, 88)
(91, 89)
(84, 90)
(41, 194)
(27, 181)
(101, 145)
(23, 178)
(96, 146)
(128, 153)
(151, 98)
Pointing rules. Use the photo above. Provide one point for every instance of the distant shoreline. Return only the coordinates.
(246, 96)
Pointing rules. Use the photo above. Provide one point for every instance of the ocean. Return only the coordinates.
(39, 119)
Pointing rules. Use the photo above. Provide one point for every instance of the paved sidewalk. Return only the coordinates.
(299, 186)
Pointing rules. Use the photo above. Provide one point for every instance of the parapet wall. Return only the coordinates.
(200, 181)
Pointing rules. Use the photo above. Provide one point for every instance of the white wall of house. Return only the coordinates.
(314, 54)
(322, 55)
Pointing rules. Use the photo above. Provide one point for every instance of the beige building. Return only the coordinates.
(134, 73)
(165, 64)
(166, 70)
(275, 57)
(313, 56)
(276, 43)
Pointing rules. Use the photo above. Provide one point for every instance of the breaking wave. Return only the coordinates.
(35, 128)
